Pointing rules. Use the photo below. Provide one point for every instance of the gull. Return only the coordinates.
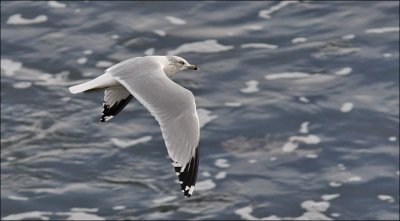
(148, 79)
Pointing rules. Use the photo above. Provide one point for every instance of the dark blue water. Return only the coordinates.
(299, 105)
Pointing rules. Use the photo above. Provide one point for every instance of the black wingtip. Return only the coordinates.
(188, 177)
(110, 111)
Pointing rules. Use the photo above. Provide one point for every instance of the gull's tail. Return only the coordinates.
(102, 82)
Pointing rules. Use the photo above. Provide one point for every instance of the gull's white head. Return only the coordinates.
(177, 64)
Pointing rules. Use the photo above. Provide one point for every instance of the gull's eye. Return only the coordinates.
(181, 62)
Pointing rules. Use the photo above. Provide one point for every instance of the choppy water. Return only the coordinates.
(299, 105)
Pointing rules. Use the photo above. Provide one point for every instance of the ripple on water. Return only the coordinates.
(175, 20)
(299, 40)
(22, 85)
(207, 46)
(128, 143)
(382, 30)
(17, 19)
(328, 197)
(267, 13)
(207, 184)
(294, 142)
(222, 163)
(165, 199)
(386, 198)
(205, 116)
(259, 45)
(10, 66)
(55, 4)
(252, 87)
(344, 71)
(347, 107)
(284, 75)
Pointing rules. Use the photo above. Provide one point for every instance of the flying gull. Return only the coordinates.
(148, 79)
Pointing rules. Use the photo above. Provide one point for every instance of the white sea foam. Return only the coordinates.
(17, 19)
(354, 179)
(252, 87)
(10, 66)
(311, 216)
(382, 30)
(207, 184)
(149, 51)
(272, 158)
(87, 52)
(299, 40)
(313, 212)
(347, 107)
(164, 200)
(62, 190)
(220, 175)
(392, 139)
(310, 139)
(114, 36)
(28, 215)
(294, 141)
(252, 161)
(19, 198)
(312, 156)
(387, 55)
(327, 197)
(341, 166)
(304, 99)
(254, 27)
(207, 46)
(335, 184)
(81, 60)
(128, 143)
(304, 127)
(222, 163)
(206, 174)
(11, 158)
(175, 20)
(344, 71)
(244, 213)
(386, 198)
(335, 214)
(22, 85)
(289, 146)
(259, 45)
(79, 216)
(119, 207)
(287, 75)
(79, 209)
(205, 116)
(160, 32)
(104, 64)
(348, 37)
(233, 104)
(267, 13)
(313, 206)
(55, 4)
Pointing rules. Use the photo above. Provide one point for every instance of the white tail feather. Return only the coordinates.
(102, 82)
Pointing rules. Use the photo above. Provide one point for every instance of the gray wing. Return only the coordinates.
(115, 99)
(173, 107)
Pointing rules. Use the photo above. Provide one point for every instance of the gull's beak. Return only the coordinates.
(194, 67)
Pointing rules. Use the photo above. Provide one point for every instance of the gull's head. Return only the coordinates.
(177, 64)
